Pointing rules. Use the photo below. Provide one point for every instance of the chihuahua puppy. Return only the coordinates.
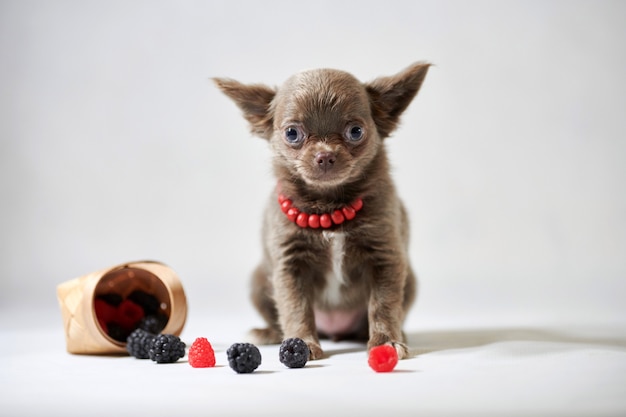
(335, 233)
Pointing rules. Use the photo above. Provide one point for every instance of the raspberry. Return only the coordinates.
(293, 353)
(103, 326)
(243, 358)
(201, 354)
(105, 312)
(128, 315)
(166, 348)
(383, 358)
(138, 343)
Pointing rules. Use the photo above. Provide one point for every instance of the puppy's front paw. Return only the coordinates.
(401, 348)
(315, 350)
(267, 336)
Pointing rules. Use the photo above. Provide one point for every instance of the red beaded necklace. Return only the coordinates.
(315, 221)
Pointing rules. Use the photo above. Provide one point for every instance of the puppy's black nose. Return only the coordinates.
(325, 160)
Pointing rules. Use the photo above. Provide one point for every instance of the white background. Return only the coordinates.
(115, 145)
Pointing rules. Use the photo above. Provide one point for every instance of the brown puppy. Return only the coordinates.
(335, 232)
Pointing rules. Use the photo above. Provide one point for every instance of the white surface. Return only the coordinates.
(469, 371)
(115, 147)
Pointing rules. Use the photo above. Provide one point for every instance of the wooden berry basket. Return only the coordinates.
(83, 333)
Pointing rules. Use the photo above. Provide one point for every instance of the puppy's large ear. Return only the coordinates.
(254, 101)
(390, 96)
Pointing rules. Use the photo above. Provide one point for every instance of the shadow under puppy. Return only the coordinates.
(335, 233)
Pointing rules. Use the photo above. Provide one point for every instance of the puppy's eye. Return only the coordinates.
(354, 133)
(293, 135)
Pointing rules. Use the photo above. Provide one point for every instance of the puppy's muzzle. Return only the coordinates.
(325, 160)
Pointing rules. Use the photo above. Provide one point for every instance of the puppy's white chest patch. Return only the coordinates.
(334, 277)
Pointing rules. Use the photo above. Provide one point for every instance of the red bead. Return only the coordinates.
(314, 221)
(348, 212)
(302, 220)
(325, 221)
(337, 217)
(357, 204)
(292, 214)
(285, 205)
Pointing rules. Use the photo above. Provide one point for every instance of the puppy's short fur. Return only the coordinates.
(326, 131)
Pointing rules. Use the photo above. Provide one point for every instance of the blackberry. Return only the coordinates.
(243, 358)
(147, 301)
(293, 353)
(153, 323)
(115, 331)
(166, 348)
(111, 298)
(138, 343)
